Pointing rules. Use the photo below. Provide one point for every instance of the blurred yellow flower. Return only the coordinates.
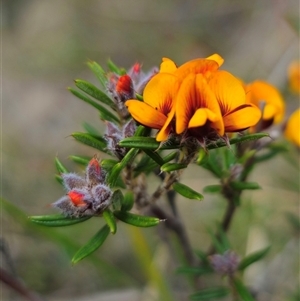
(292, 129)
(263, 94)
(294, 76)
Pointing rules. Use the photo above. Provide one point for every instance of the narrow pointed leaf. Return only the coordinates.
(195, 270)
(94, 92)
(108, 164)
(94, 243)
(117, 199)
(56, 220)
(242, 290)
(211, 293)
(253, 257)
(99, 72)
(59, 179)
(168, 167)
(146, 143)
(106, 114)
(91, 129)
(244, 185)
(89, 140)
(235, 140)
(60, 167)
(113, 67)
(155, 156)
(81, 160)
(212, 189)
(110, 220)
(116, 170)
(128, 201)
(136, 220)
(187, 192)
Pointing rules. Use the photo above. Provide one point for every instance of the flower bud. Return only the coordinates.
(101, 197)
(72, 180)
(79, 197)
(94, 173)
(225, 264)
(124, 88)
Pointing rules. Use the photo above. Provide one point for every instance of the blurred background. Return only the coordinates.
(45, 46)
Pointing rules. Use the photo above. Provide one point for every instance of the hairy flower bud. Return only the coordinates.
(94, 173)
(102, 197)
(72, 180)
(225, 264)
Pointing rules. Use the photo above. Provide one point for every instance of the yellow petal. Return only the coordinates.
(145, 114)
(194, 94)
(197, 66)
(160, 92)
(201, 116)
(165, 130)
(167, 66)
(228, 90)
(241, 118)
(217, 58)
(260, 91)
(292, 129)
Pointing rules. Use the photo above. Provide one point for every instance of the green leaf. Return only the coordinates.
(128, 201)
(56, 220)
(253, 257)
(242, 290)
(108, 164)
(90, 129)
(294, 220)
(93, 244)
(114, 68)
(117, 199)
(154, 156)
(82, 160)
(89, 140)
(168, 167)
(60, 167)
(136, 220)
(195, 270)
(110, 220)
(107, 115)
(213, 189)
(93, 91)
(99, 72)
(116, 170)
(187, 192)
(211, 293)
(244, 185)
(59, 179)
(146, 143)
(235, 140)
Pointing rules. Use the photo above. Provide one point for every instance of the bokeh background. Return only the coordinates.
(45, 46)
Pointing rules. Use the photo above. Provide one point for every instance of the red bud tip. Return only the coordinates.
(95, 166)
(136, 68)
(124, 85)
(76, 198)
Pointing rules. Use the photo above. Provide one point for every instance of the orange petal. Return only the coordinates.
(194, 94)
(197, 66)
(145, 114)
(201, 116)
(241, 118)
(217, 58)
(160, 92)
(165, 130)
(260, 91)
(292, 130)
(228, 90)
(167, 66)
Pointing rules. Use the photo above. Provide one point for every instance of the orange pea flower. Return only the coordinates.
(198, 97)
(260, 92)
(292, 129)
(159, 95)
(294, 76)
